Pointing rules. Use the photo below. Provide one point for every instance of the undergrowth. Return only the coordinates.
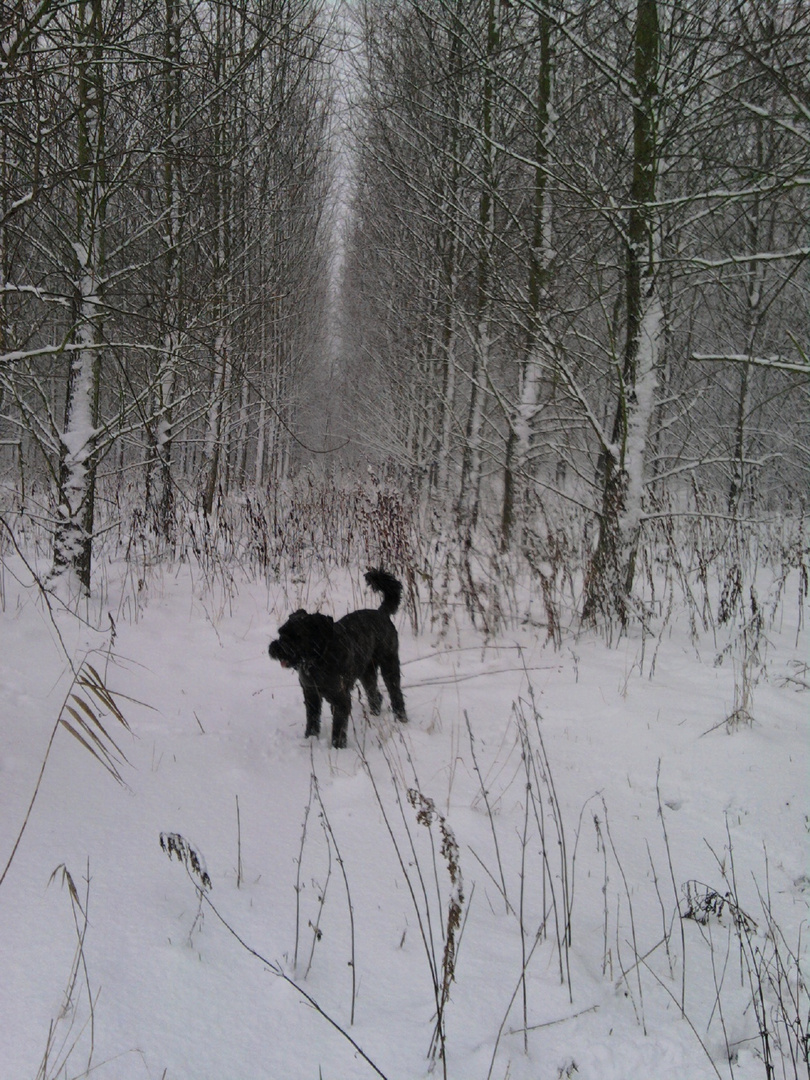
(730, 580)
(695, 561)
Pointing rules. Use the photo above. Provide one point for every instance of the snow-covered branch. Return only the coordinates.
(775, 363)
(752, 257)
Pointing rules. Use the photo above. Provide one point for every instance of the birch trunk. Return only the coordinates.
(449, 261)
(473, 451)
(220, 348)
(519, 441)
(754, 285)
(171, 185)
(622, 462)
(78, 445)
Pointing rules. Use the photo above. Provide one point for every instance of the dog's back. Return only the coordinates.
(366, 625)
(369, 635)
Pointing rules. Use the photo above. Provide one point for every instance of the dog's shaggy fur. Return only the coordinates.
(330, 657)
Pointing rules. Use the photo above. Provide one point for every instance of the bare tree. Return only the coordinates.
(79, 436)
(171, 224)
(620, 280)
(622, 458)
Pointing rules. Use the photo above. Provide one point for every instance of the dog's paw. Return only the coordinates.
(312, 730)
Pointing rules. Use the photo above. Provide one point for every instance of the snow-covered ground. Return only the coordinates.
(546, 772)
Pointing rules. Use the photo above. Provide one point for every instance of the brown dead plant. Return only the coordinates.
(86, 713)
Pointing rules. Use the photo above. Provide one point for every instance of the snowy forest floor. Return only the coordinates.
(576, 864)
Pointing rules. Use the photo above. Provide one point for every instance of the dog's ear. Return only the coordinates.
(320, 634)
(298, 614)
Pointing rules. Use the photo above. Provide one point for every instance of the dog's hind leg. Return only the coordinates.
(369, 681)
(312, 703)
(389, 669)
(341, 706)
(341, 709)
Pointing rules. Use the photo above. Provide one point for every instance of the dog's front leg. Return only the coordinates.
(341, 710)
(312, 703)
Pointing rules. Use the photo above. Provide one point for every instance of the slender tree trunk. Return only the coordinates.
(213, 438)
(449, 258)
(265, 387)
(221, 344)
(754, 286)
(473, 450)
(520, 430)
(164, 432)
(78, 451)
(612, 568)
(448, 398)
(240, 465)
(5, 157)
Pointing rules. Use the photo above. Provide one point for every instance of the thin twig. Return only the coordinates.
(298, 885)
(238, 846)
(667, 990)
(674, 886)
(279, 972)
(341, 864)
(553, 1023)
(632, 918)
(485, 795)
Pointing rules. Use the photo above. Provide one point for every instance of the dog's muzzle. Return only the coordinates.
(285, 657)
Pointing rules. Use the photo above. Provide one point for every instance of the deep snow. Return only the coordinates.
(174, 994)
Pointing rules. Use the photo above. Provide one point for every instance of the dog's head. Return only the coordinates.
(303, 638)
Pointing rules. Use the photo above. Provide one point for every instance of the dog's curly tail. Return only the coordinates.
(383, 582)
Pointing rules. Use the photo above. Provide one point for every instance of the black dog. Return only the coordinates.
(331, 656)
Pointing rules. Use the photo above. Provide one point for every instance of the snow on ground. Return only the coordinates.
(329, 856)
